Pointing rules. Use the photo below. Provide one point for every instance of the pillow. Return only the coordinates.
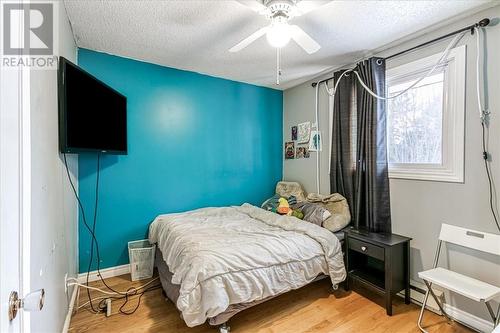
(337, 205)
(272, 203)
(288, 189)
(313, 213)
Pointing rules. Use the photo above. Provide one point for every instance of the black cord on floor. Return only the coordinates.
(488, 173)
(133, 292)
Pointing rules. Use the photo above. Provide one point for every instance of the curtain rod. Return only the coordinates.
(483, 23)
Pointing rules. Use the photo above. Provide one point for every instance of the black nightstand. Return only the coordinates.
(378, 262)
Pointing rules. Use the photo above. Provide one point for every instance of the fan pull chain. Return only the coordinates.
(278, 65)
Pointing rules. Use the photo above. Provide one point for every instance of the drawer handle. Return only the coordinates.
(363, 248)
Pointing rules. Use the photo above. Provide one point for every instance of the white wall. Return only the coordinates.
(419, 207)
(53, 207)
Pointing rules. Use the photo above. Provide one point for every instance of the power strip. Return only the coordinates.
(108, 307)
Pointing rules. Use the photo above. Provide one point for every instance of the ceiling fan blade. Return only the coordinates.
(249, 40)
(305, 6)
(304, 40)
(255, 5)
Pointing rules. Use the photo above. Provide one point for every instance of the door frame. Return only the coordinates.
(15, 189)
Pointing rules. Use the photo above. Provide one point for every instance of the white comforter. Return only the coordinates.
(232, 255)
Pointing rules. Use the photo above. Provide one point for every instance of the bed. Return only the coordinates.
(215, 262)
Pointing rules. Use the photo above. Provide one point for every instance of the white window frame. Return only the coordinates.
(452, 167)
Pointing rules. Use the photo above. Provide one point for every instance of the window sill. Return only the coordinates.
(434, 175)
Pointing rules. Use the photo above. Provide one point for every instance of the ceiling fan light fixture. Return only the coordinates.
(278, 34)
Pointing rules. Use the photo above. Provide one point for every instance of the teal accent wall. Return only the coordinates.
(193, 141)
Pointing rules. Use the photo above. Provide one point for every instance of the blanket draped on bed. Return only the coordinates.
(232, 255)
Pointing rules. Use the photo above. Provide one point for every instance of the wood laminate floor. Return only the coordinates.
(311, 309)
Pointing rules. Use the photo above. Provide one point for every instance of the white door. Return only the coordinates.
(10, 194)
(14, 188)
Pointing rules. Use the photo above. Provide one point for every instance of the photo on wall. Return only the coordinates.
(302, 152)
(294, 133)
(315, 143)
(303, 132)
(289, 150)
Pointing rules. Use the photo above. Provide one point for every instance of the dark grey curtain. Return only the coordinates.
(342, 166)
(359, 130)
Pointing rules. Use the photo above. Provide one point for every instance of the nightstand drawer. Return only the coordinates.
(367, 248)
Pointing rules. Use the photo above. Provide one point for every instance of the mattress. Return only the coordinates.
(223, 260)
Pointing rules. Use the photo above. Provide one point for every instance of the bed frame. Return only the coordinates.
(171, 292)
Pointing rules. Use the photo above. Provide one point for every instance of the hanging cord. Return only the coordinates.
(84, 221)
(119, 294)
(443, 57)
(317, 129)
(91, 231)
(331, 107)
(484, 115)
(94, 237)
(332, 91)
(278, 65)
(488, 174)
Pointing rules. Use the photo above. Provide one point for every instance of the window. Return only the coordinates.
(425, 125)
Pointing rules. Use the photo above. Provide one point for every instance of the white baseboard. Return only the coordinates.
(466, 318)
(418, 297)
(71, 306)
(105, 273)
(93, 276)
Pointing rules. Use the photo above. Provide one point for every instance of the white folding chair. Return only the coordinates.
(466, 286)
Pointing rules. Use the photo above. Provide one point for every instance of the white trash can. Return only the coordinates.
(141, 255)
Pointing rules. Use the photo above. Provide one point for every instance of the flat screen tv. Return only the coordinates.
(92, 115)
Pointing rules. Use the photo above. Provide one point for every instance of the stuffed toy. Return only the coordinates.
(284, 207)
(298, 214)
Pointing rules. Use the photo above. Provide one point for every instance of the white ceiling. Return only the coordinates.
(195, 35)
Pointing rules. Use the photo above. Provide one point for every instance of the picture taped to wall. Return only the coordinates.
(303, 132)
(315, 144)
(302, 152)
(294, 133)
(289, 150)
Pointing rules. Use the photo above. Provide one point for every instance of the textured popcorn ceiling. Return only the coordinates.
(196, 35)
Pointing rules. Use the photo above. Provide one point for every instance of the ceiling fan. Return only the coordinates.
(280, 31)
